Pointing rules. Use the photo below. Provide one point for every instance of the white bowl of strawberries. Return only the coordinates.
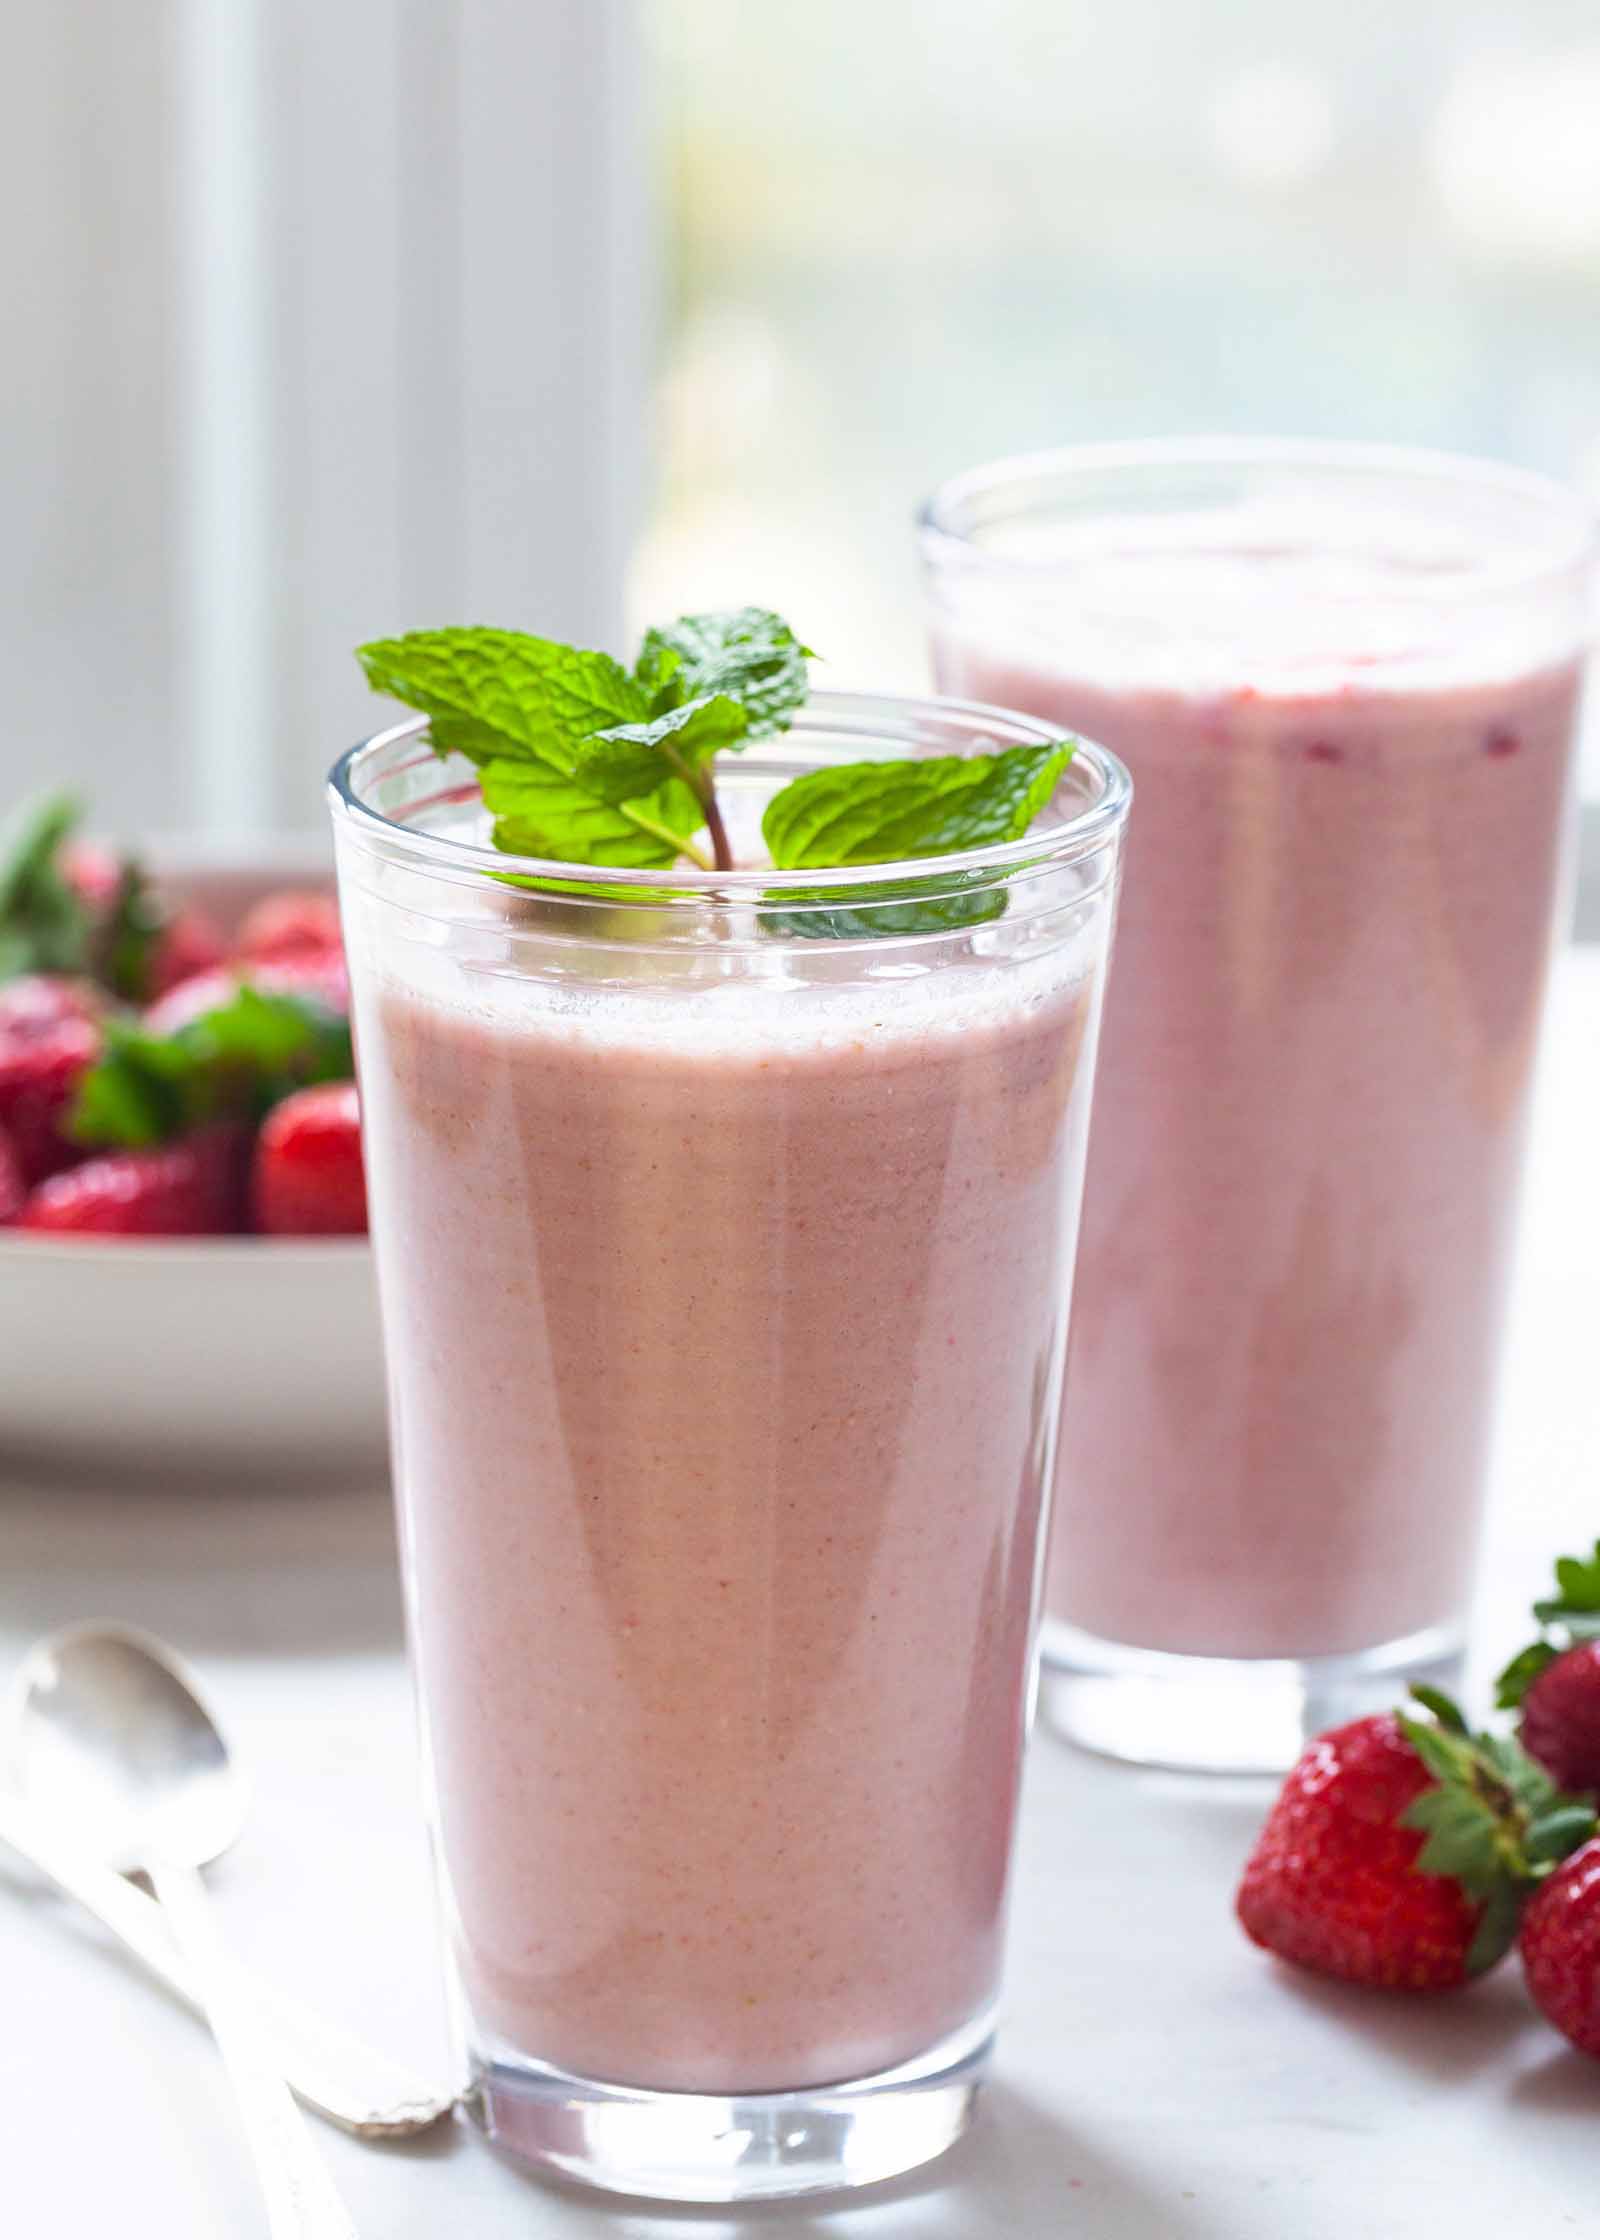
(185, 1282)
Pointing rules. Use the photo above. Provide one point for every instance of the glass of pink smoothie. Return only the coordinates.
(1345, 680)
(725, 1232)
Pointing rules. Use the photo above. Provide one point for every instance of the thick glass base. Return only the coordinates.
(1223, 1714)
(683, 2146)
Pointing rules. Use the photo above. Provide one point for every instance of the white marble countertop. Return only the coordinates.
(1157, 2080)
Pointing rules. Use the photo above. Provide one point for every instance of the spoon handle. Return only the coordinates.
(300, 2197)
(363, 2091)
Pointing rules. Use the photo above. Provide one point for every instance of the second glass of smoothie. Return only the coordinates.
(1345, 681)
(725, 1228)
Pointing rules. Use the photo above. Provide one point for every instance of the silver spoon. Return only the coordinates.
(367, 2093)
(114, 1742)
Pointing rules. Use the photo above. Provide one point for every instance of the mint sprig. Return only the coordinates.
(582, 760)
(233, 1061)
(589, 762)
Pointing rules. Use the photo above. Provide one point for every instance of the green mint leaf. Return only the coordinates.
(1520, 1674)
(746, 653)
(577, 763)
(502, 694)
(1497, 1927)
(890, 812)
(44, 924)
(234, 1061)
(884, 812)
(655, 670)
(542, 811)
(896, 908)
(686, 736)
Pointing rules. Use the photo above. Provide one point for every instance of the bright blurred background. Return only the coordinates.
(327, 322)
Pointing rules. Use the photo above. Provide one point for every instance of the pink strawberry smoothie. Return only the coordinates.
(1331, 960)
(720, 1344)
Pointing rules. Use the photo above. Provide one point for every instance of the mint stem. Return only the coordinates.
(721, 852)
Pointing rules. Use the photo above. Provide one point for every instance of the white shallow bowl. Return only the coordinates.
(202, 1355)
(222, 1356)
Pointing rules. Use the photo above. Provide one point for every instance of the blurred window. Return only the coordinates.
(911, 235)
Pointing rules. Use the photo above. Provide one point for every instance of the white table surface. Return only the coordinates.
(1158, 2079)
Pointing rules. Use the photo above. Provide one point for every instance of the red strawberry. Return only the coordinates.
(291, 924)
(1561, 1718)
(49, 1036)
(1401, 1851)
(308, 1174)
(1560, 1947)
(1332, 1881)
(38, 1000)
(92, 872)
(192, 1188)
(13, 1189)
(187, 944)
(1556, 1680)
(323, 976)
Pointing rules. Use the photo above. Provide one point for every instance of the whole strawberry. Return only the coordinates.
(1401, 1850)
(192, 1188)
(187, 944)
(49, 1037)
(308, 1178)
(1332, 1881)
(1555, 1681)
(292, 923)
(1560, 1947)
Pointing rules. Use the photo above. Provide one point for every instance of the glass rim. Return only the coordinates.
(1076, 836)
(942, 533)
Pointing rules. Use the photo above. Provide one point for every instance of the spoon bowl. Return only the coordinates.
(112, 1736)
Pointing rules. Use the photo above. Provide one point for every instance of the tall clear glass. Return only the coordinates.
(1345, 680)
(725, 1226)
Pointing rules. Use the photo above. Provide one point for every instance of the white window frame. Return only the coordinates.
(339, 326)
